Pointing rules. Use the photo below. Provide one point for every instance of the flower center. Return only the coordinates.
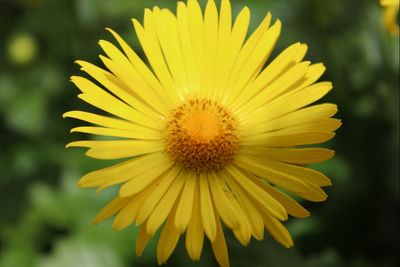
(202, 135)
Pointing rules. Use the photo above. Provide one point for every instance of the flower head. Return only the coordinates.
(390, 15)
(208, 133)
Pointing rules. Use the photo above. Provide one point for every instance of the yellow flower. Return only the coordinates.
(208, 132)
(390, 15)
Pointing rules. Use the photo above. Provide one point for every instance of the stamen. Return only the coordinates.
(201, 135)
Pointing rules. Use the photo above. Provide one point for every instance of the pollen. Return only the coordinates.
(201, 135)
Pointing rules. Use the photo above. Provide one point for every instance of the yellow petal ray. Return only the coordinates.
(243, 234)
(119, 89)
(291, 155)
(314, 72)
(221, 202)
(196, 31)
(165, 205)
(288, 104)
(121, 172)
(168, 239)
(192, 70)
(129, 213)
(146, 74)
(323, 125)
(109, 122)
(194, 234)
(256, 60)
(298, 117)
(147, 169)
(251, 211)
(155, 197)
(292, 207)
(389, 2)
(115, 133)
(148, 40)
(275, 89)
(284, 61)
(141, 241)
(286, 139)
(302, 173)
(219, 245)
(247, 55)
(165, 25)
(231, 46)
(141, 181)
(278, 231)
(185, 205)
(206, 208)
(111, 208)
(222, 46)
(210, 46)
(97, 97)
(315, 194)
(128, 77)
(118, 149)
(259, 196)
(268, 173)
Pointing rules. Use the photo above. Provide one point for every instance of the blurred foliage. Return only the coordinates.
(45, 219)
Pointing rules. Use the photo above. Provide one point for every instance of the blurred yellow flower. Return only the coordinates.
(390, 15)
(209, 133)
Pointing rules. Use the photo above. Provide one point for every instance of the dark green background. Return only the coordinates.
(45, 220)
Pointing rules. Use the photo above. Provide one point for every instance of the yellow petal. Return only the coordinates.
(166, 28)
(285, 139)
(97, 97)
(278, 231)
(185, 207)
(165, 205)
(148, 40)
(194, 234)
(291, 155)
(219, 245)
(109, 122)
(221, 202)
(111, 208)
(230, 48)
(207, 209)
(279, 178)
(304, 174)
(116, 133)
(296, 118)
(288, 104)
(141, 181)
(275, 89)
(258, 195)
(256, 60)
(275, 69)
(291, 206)
(251, 209)
(315, 193)
(118, 149)
(243, 234)
(142, 69)
(141, 241)
(168, 239)
(129, 213)
(121, 172)
(150, 203)
(118, 88)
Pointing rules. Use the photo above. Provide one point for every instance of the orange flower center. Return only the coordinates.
(202, 135)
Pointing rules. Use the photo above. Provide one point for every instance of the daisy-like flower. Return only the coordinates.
(208, 133)
(390, 15)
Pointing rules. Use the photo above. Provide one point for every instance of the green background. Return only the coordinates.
(45, 220)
